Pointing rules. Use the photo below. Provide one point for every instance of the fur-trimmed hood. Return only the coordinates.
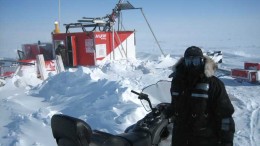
(209, 68)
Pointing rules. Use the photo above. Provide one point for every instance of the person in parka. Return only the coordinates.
(61, 50)
(200, 105)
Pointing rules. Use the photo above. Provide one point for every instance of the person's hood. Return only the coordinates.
(209, 68)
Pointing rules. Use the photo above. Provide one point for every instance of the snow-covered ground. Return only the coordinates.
(101, 96)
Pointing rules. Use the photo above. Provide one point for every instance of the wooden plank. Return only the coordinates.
(41, 66)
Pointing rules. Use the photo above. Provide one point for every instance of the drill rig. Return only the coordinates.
(102, 23)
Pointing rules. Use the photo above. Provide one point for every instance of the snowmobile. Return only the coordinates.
(149, 131)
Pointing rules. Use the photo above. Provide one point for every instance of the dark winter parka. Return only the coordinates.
(201, 107)
(61, 50)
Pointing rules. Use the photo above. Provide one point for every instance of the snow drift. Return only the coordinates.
(101, 96)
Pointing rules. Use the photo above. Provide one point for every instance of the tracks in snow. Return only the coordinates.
(247, 116)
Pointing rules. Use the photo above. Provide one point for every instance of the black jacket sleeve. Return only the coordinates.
(223, 110)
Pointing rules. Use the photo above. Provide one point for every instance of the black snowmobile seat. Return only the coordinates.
(100, 138)
(137, 139)
(69, 131)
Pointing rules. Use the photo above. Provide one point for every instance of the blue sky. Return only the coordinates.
(176, 23)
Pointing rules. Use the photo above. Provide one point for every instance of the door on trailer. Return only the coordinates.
(72, 53)
(253, 76)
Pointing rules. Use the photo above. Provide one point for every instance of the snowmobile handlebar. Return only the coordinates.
(143, 96)
(135, 92)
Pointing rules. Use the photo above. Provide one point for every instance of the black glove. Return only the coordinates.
(227, 131)
(169, 111)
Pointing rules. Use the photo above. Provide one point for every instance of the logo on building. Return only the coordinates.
(101, 36)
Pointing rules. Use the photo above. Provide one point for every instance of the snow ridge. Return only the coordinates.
(102, 97)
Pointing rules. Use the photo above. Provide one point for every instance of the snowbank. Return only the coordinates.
(101, 96)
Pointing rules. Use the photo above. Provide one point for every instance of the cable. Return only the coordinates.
(152, 32)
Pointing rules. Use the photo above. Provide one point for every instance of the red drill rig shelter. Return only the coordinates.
(92, 47)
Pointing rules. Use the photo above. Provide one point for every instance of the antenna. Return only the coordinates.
(59, 13)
